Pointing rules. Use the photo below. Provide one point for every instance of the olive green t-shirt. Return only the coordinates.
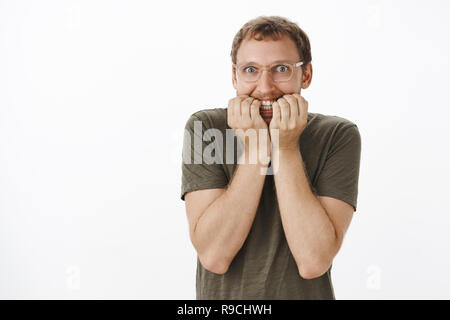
(264, 267)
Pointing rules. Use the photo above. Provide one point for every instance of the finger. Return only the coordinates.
(304, 109)
(285, 112)
(245, 107)
(276, 114)
(230, 108)
(294, 105)
(303, 106)
(230, 118)
(237, 108)
(300, 100)
(254, 109)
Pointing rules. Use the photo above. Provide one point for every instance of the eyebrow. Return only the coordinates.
(277, 61)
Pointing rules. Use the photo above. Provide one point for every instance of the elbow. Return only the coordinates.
(313, 270)
(309, 274)
(214, 265)
(212, 262)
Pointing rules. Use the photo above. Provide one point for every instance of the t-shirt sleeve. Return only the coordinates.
(340, 174)
(198, 175)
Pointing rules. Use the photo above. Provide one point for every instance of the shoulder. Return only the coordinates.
(326, 122)
(330, 125)
(210, 118)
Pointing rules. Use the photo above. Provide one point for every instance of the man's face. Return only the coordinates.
(265, 53)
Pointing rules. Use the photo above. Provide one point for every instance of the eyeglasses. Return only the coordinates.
(280, 71)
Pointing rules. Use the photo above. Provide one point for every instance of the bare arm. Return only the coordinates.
(310, 233)
(314, 226)
(220, 220)
(219, 232)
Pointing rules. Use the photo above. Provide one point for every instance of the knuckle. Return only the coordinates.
(293, 124)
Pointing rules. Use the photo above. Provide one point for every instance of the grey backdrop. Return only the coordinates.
(94, 96)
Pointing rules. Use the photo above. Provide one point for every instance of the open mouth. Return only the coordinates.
(266, 105)
(265, 110)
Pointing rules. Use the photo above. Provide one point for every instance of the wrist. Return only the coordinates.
(256, 155)
(286, 149)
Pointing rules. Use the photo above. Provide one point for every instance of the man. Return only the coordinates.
(271, 236)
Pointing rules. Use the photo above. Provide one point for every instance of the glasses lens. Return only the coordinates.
(248, 73)
(281, 72)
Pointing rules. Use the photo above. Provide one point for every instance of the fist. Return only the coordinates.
(290, 116)
(243, 114)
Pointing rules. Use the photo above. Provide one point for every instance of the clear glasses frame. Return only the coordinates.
(268, 68)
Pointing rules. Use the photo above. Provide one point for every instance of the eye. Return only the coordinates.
(250, 69)
(282, 68)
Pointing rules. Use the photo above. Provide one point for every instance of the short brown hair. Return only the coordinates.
(274, 27)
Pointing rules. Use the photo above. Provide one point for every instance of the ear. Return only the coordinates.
(233, 77)
(307, 76)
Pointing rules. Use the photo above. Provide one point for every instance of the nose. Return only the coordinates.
(265, 82)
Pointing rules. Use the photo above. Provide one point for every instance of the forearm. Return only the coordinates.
(309, 231)
(223, 227)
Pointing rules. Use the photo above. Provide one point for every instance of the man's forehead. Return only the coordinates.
(267, 51)
(255, 62)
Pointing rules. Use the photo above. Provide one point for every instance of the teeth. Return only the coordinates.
(266, 105)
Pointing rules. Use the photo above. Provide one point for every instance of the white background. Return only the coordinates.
(94, 96)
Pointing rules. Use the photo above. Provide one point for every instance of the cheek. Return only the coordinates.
(285, 88)
(245, 88)
(299, 80)
(291, 86)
